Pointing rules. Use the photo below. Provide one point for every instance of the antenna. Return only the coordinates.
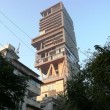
(17, 50)
(107, 43)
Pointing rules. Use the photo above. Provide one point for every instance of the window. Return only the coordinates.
(62, 49)
(45, 14)
(45, 95)
(42, 55)
(49, 11)
(34, 83)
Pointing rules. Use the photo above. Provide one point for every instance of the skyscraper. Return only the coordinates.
(57, 55)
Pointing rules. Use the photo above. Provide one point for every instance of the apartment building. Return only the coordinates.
(34, 89)
(57, 55)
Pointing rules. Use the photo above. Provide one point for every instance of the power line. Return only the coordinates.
(1, 45)
(83, 53)
(23, 55)
(107, 44)
(15, 35)
(14, 24)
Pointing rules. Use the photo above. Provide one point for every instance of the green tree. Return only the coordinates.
(90, 89)
(61, 102)
(12, 86)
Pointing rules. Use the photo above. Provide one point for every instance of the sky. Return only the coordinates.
(91, 20)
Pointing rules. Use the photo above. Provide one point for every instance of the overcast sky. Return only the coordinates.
(91, 20)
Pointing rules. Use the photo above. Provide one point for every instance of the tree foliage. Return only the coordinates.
(12, 86)
(61, 103)
(90, 88)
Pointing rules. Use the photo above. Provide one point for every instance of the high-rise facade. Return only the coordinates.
(57, 55)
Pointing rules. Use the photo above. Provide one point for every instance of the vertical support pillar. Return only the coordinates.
(41, 73)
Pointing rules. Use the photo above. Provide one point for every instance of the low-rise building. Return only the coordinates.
(34, 89)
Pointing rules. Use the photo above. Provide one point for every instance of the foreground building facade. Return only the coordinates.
(57, 55)
(34, 89)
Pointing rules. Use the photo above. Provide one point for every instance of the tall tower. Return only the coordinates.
(57, 55)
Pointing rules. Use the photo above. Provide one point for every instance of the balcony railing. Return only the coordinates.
(33, 102)
(50, 58)
(52, 77)
(34, 89)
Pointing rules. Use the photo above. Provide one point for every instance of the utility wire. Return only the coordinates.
(1, 45)
(15, 35)
(15, 24)
(23, 55)
(19, 29)
(83, 53)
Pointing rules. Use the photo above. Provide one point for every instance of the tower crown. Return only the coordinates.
(52, 9)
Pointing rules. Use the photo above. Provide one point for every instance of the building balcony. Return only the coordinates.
(34, 89)
(52, 78)
(49, 58)
(44, 35)
(49, 47)
(32, 102)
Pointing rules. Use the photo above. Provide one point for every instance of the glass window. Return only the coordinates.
(62, 49)
(57, 51)
(49, 11)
